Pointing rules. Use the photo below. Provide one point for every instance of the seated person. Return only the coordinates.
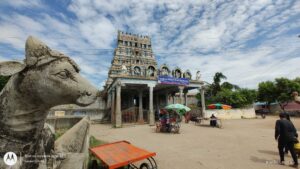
(213, 120)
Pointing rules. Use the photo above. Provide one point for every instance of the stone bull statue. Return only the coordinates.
(47, 78)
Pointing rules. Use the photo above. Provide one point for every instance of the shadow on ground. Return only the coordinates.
(268, 152)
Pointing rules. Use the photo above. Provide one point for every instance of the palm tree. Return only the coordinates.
(216, 84)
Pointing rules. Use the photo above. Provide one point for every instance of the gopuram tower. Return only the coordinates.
(133, 57)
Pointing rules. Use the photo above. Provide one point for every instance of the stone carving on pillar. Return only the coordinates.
(47, 78)
(151, 111)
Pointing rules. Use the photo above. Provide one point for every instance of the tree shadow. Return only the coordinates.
(268, 152)
(266, 161)
(259, 160)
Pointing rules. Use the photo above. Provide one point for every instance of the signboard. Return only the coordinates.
(173, 80)
(59, 113)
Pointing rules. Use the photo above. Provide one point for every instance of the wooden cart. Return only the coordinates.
(122, 154)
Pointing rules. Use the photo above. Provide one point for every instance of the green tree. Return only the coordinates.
(236, 98)
(284, 89)
(229, 86)
(266, 92)
(250, 95)
(3, 81)
(227, 93)
(278, 91)
(216, 87)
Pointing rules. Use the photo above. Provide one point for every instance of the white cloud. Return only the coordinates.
(247, 40)
(22, 3)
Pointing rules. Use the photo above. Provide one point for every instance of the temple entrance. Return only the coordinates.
(130, 107)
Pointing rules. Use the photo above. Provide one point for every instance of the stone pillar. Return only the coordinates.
(151, 113)
(118, 105)
(185, 98)
(180, 94)
(141, 115)
(173, 98)
(167, 99)
(202, 101)
(113, 104)
(108, 101)
(157, 103)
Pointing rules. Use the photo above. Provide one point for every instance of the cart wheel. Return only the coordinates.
(158, 128)
(94, 165)
(219, 125)
(176, 128)
(144, 166)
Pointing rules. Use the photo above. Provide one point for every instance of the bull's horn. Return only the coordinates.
(34, 49)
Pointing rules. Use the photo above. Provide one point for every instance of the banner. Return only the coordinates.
(173, 80)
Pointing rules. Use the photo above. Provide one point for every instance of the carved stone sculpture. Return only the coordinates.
(177, 74)
(164, 71)
(296, 97)
(137, 71)
(151, 71)
(124, 70)
(47, 78)
(198, 75)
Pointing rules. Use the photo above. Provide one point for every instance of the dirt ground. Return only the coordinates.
(241, 144)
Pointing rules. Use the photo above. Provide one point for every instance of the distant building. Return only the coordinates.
(137, 87)
(291, 107)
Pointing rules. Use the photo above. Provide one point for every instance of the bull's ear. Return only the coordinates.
(11, 67)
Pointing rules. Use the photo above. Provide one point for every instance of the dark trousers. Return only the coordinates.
(290, 147)
(213, 123)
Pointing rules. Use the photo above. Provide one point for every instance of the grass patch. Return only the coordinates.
(95, 142)
(60, 132)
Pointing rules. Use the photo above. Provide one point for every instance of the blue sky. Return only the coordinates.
(248, 40)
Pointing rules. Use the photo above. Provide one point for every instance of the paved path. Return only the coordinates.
(241, 144)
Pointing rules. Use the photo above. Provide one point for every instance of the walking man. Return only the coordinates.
(285, 134)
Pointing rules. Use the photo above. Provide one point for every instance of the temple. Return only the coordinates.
(137, 87)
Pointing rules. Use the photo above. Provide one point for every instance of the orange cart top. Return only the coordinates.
(120, 154)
